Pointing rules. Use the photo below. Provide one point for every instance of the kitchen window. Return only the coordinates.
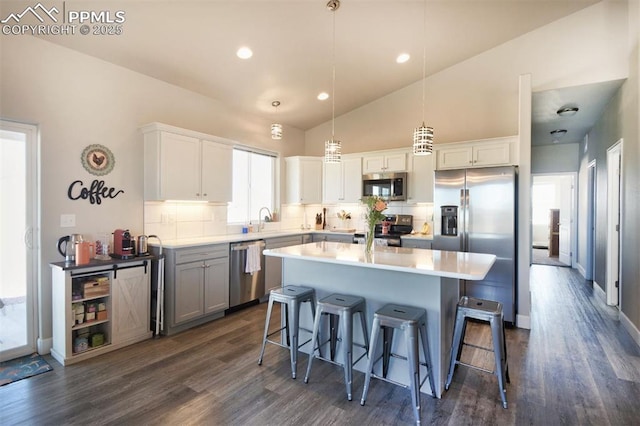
(253, 185)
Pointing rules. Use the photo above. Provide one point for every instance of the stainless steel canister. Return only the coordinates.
(143, 250)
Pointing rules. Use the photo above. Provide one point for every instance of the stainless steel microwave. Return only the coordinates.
(390, 186)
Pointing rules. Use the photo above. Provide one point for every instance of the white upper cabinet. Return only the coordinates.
(178, 174)
(217, 173)
(183, 165)
(481, 153)
(382, 163)
(421, 179)
(303, 180)
(342, 181)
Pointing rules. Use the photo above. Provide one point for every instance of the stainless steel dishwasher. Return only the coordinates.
(244, 288)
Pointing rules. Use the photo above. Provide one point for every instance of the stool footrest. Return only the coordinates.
(276, 331)
(392, 355)
(393, 382)
(273, 342)
(402, 357)
(334, 362)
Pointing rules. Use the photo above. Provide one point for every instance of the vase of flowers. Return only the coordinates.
(374, 207)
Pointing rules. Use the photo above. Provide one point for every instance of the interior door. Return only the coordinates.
(564, 227)
(19, 241)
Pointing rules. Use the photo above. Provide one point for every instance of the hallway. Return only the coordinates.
(576, 366)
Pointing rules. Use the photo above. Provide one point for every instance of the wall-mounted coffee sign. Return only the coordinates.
(98, 160)
(94, 193)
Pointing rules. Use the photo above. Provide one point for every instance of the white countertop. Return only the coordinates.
(451, 264)
(232, 238)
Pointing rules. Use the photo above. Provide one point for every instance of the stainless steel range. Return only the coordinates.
(392, 228)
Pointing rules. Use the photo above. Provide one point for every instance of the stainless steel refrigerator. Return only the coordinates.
(475, 211)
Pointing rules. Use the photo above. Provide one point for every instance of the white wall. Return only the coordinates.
(77, 100)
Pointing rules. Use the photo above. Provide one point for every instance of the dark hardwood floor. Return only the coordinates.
(577, 366)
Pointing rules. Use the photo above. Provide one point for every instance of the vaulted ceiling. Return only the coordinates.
(193, 44)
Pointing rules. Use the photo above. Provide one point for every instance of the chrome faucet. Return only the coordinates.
(260, 222)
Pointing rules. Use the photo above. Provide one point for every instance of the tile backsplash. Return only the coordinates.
(177, 220)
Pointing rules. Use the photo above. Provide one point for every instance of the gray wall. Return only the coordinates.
(606, 132)
(555, 158)
(619, 121)
(630, 106)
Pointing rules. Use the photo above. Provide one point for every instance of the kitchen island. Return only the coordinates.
(413, 277)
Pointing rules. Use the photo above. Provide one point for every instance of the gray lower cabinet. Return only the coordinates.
(414, 243)
(196, 286)
(336, 238)
(273, 265)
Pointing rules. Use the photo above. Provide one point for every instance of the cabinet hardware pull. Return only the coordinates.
(116, 268)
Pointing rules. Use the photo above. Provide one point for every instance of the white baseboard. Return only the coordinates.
(523, 321)
(600, 292)
(628, 325)
(44, 345)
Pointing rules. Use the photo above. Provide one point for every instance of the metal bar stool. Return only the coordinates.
(340, 309)
(491, 312)
(292, 296)
(412, 321)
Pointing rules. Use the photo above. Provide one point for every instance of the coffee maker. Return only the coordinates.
(123, 244)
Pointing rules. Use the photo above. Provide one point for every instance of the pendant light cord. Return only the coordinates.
(333, 77)
(424, 55)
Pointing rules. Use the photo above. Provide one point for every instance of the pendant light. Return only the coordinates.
(333, 147)
(276, 129)
(423, 135)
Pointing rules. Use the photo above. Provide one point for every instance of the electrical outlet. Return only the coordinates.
(67, 220)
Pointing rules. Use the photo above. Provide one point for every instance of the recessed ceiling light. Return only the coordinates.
(323, 96)
(402, 58)
(567, 111)
(244, 53)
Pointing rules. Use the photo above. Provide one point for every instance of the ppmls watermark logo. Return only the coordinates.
(42, 20)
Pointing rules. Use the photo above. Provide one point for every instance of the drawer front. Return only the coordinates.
(203, 252)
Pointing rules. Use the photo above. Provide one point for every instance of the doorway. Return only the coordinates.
(614, 201)
(19, 242)
(553, 219)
